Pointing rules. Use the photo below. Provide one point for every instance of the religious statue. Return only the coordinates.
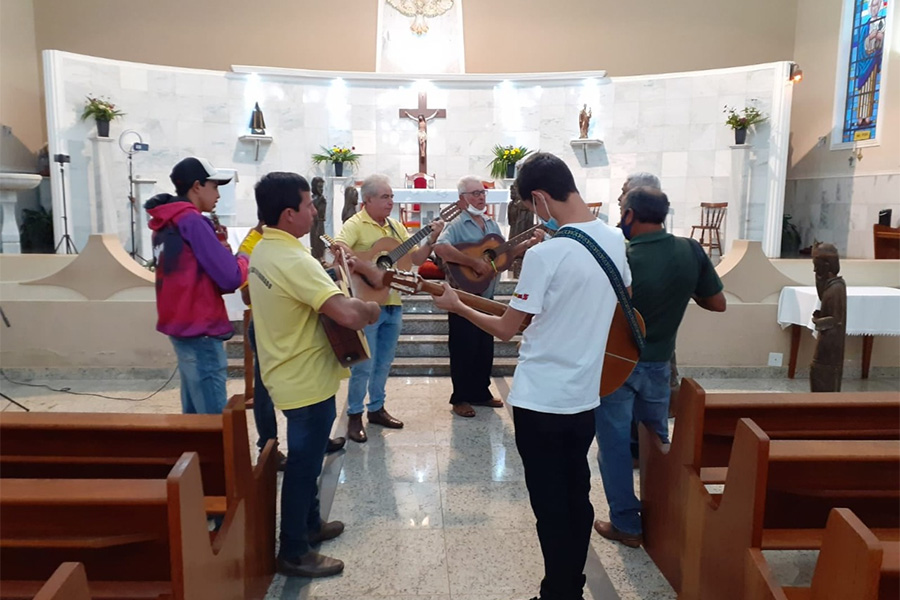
(318, 229)
(422, 134)
(520, 219)
(257, 121)
(830, 321)
(351, 199)
(584, 121)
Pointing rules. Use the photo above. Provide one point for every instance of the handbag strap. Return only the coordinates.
(615, 279)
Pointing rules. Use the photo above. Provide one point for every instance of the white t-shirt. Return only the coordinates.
(569, 294)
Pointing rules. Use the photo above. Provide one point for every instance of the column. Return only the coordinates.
(738, 215)
(104, 214)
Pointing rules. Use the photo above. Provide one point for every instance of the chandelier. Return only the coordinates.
(419, 9)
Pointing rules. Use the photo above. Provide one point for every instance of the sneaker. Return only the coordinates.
(609, 531)
(311, 564)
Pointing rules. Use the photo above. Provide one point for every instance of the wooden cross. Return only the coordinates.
(427, 114)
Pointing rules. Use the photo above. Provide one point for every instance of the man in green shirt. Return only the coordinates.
(667, 272)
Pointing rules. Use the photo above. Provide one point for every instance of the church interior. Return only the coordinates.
(773, 129)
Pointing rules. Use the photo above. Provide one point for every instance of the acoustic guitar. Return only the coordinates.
(492, 250)
(390, 253)
(622, 352)
(350, 346)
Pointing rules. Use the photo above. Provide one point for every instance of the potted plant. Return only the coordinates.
(102, 111)
(505, 158)
(741, 120)
(337, 155)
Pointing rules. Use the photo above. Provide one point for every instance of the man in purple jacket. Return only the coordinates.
(193, 270)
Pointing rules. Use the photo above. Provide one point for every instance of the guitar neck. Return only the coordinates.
(491, 307)
(516, 240)
(448, 214)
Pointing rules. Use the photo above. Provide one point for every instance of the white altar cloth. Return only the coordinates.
(870, 310)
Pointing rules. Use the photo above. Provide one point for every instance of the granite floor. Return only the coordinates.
(437, 510)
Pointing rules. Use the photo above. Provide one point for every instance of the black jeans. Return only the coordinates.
(554, 452)
(471, 360)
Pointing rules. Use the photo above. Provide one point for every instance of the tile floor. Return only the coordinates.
(437, 510)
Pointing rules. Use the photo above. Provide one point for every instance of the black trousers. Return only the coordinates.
(471, 360)
(554, 453)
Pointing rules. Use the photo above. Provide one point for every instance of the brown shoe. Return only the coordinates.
(609, 531)
(355, 429)
(280, 460)
(311, 564)
(328, 531)
(334, 445)
(381, 417)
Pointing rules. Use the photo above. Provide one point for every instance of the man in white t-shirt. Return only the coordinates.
(557, 381)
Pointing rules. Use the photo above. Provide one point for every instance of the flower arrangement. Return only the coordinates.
(100, 110)
(749, 115)
(506, 157)
(337, 154)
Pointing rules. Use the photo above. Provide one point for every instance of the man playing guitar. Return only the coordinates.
(556, 385)
(359, 233)
(290, 289)
(472, 349)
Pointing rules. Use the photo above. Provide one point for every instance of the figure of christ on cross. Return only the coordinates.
(422, 115)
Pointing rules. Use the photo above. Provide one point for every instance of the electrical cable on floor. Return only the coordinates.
(67, 390)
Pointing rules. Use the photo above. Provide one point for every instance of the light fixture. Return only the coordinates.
(796, 73)
(419, 9)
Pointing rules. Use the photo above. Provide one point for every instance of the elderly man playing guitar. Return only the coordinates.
(363, 231)
(472, 349)
(570, 284)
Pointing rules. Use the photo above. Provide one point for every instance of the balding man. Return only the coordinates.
(471, 348)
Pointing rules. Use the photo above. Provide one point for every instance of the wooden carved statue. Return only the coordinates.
(584, 121)
(351, 200)
(830, 320)
(520, 219)
(321, 203)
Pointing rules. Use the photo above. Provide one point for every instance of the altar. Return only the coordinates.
(431, 201)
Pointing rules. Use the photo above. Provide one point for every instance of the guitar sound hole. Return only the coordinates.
(384, 263)
(489, 255)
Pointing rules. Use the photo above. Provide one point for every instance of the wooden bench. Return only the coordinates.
(136, 446)
(702, 440)
(68, 582)
(778, 494)
(852, 565)
(137, 538)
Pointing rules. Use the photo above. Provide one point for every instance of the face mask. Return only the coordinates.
(626, 228)
(552, 225)
(475, 211)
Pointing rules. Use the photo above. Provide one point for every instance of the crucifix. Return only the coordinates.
(422, 115)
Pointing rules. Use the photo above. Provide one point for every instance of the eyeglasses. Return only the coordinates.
(477, 193)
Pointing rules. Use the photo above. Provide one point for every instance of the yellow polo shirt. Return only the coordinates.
(288, 287)
(361, 231)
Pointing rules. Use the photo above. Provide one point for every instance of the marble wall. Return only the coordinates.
(672, 125)
(842, 210)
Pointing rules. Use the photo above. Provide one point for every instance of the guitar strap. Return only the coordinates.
(615, 279)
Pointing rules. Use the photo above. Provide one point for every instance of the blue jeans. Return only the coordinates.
(202, 366)
(263, 409)
(373, 373)
(308, 429)
(644, 397)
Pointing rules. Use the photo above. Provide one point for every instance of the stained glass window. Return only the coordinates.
(864, 68)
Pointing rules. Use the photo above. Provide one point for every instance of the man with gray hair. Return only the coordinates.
(471, 348)
(358, 234)
(639, 179)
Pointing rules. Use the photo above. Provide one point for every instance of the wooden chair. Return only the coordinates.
(595, 208)
(852, 565)
(137, 538)
(411, 216)
(778, 494)
(146, 446)
(68, 582)
(887, 242)
(711, 216)
(702, 440)
(420, 181)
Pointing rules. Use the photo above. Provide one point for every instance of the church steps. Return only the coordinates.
(408, 367)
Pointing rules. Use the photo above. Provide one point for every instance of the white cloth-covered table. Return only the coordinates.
(871, 311)
(430, 201)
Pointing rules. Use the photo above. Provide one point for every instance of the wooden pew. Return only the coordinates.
(853, 565)
(68, 582)
(702, 439)
(109, 445)
(778, 494)
(137, 538)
